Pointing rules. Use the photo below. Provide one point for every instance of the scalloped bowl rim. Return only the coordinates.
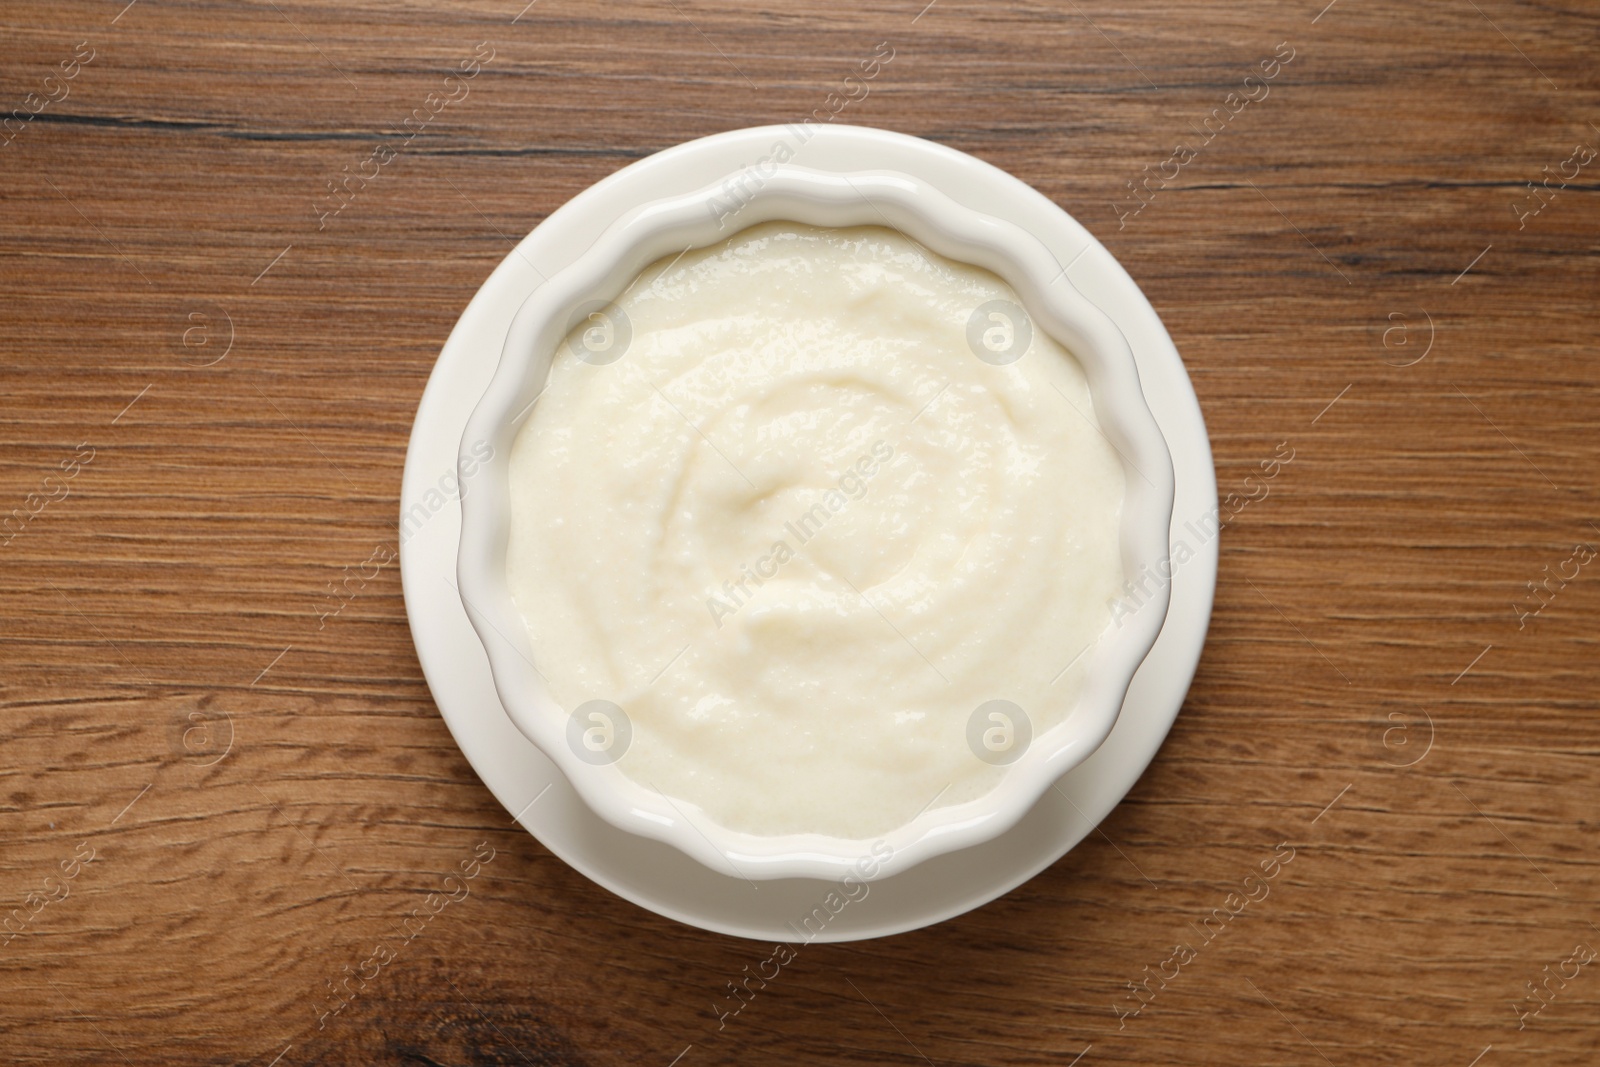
(781, 192)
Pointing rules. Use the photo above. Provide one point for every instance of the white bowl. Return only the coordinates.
(763, 193)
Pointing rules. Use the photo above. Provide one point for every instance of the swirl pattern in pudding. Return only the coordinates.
(800, 504)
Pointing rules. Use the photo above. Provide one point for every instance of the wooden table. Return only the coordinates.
(219, 795)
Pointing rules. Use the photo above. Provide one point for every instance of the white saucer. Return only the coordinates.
(656, 876)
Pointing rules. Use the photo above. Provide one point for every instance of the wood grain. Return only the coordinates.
(266, 794)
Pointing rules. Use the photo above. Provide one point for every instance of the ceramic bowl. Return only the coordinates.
(764, 192)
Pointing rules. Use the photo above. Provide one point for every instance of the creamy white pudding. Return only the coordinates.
(803, 504)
